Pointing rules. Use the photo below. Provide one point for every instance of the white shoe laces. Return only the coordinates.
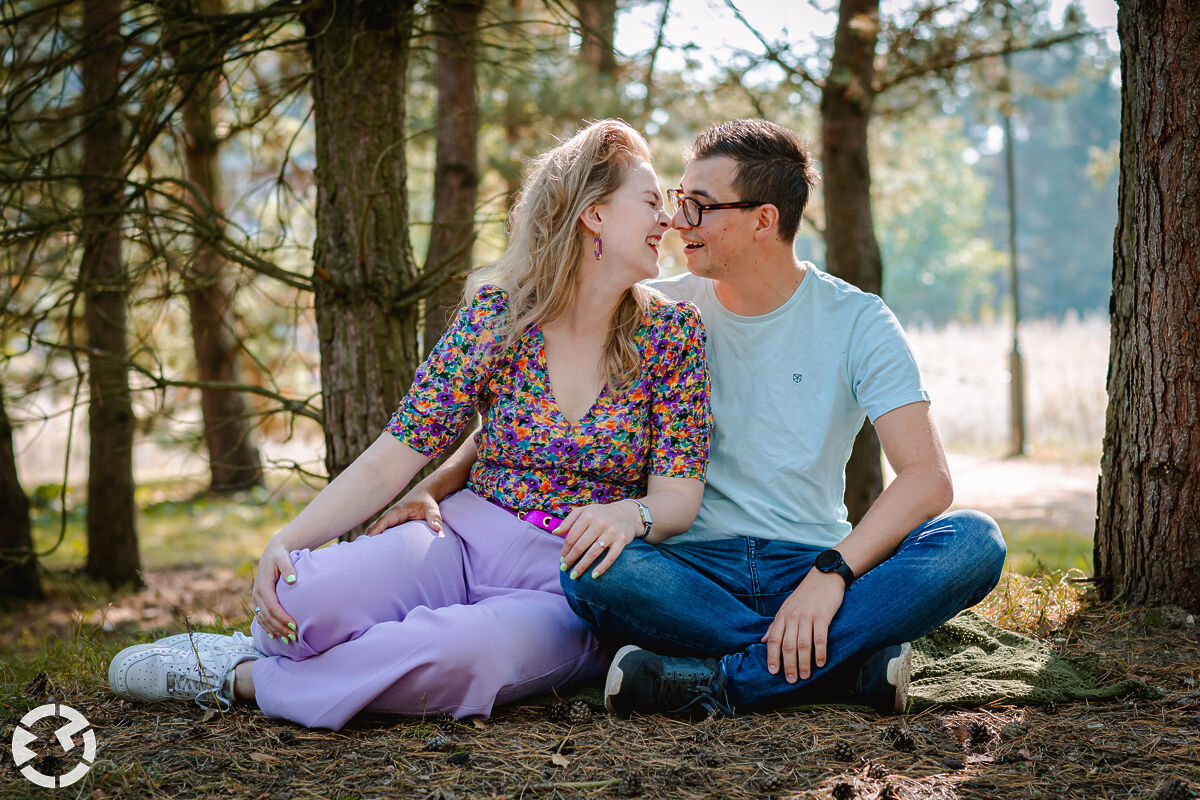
(201, 682)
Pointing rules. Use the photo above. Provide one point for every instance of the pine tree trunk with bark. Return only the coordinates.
(363, 264)
(234, 462)
(852, 251)
(111, 524)
(597, 29)
(18, 564)
(1147, 545)
(456, 171)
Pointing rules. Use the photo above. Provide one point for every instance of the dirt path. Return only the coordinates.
(1043, 493)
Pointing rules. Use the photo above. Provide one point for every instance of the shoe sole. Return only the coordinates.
(612, 683)
(899, 672)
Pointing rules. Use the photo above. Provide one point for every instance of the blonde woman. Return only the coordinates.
(593, 396)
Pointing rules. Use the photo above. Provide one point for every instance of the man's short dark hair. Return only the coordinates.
(773, 165)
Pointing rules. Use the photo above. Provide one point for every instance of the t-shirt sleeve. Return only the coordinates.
(452, 380)
(680, 415)
(883, 372)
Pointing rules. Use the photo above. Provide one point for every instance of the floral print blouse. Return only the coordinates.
(530, 455)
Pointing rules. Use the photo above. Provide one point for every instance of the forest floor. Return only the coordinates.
(1127, 748)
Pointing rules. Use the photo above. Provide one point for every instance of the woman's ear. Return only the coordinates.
(590, 219)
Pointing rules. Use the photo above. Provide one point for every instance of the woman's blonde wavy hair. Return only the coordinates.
(539, 267)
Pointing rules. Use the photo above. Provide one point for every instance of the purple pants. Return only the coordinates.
(413, 622)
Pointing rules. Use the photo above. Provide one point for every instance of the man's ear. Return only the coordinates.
(766, 222)
(590, 219)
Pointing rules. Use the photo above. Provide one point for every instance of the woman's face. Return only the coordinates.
(632, 221)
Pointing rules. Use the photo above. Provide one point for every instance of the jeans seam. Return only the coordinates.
(752, 567)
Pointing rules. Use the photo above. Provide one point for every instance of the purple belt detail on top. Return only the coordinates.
(538, 519)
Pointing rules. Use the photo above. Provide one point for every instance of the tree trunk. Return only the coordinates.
(517, 127)
(597, 29)
(1147, 546)
(852, 251)
(456, 174)
(232, 456)
(363, 264)
(111, 526)
(18, 564)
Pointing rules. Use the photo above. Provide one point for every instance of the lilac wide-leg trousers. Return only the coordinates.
(414, 621)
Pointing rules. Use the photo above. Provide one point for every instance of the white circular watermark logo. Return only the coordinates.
(76, 722)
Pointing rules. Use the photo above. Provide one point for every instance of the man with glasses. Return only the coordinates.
(772, 596)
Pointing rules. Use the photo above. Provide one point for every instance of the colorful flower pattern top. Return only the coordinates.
(530, 455)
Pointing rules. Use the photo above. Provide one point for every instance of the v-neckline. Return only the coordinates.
(544, 364)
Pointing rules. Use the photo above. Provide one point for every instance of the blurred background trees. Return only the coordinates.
(281, 197)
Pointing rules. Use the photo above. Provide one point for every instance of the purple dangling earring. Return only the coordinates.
(599, 251)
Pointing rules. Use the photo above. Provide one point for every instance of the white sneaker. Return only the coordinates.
(238, 642)
(150, 672)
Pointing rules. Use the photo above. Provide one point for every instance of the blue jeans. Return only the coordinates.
(717, 599)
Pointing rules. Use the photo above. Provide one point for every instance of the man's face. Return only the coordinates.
(712, 247)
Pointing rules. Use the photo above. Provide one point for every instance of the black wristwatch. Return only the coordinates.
(832, 561)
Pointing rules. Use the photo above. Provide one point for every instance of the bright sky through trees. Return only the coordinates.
(716, 31)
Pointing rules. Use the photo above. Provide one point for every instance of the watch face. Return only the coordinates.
(827, 560)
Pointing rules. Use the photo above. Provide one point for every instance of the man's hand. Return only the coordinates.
(799, 632)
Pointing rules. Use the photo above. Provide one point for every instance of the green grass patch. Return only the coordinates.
(176, 525)
(1037, 549)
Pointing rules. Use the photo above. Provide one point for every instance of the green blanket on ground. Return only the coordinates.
(968, 661)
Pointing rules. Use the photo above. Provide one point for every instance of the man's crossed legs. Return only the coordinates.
(715, 600)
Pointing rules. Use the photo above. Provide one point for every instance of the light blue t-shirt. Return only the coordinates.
(790, 390)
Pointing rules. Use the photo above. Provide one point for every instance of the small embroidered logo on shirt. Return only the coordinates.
(797, 377)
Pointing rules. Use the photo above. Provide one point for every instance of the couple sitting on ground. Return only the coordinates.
(731, 583)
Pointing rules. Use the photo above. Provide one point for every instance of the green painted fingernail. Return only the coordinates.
(292, 625)
(293, 637)
(574, 575)
(562, 567)
(595, 574)
(291, 578)
(271, 635)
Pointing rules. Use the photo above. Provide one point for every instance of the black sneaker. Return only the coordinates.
(639, 680)
(883, 679)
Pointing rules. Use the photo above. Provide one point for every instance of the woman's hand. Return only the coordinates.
(593, 530)
(275, 562)
(418, 503)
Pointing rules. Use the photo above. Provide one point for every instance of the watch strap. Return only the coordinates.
(647, 518)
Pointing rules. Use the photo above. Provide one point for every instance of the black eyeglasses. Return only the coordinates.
(693, 209)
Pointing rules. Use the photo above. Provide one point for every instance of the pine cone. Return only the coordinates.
(559, 712)
(900, 738)
(630, 785)
(439, 744)
(877, 771)
(1172, 790)
(770, 783)
(843, 791)
(978, 733)
(580, 713)
(843, 751)
(707, 758)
